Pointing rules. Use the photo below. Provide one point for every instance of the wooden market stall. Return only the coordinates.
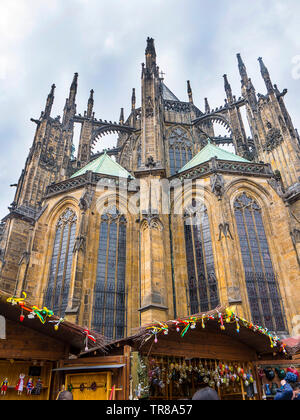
(33, 345)
(172, 360)
(272, 372)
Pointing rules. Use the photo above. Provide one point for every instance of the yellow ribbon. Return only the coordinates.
(15, 301)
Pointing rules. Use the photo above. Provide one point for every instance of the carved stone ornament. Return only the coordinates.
(273, 139)
(276, 185)
(86, 200)
(47, 158)
(224, 229)
(80, 244)
(150, 162)
(149, 108)
(217, 183)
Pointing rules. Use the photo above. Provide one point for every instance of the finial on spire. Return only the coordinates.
(266, 76)
(49, 102)
(190, 92)
(207, 107)
(122, 116)
(242, 69)
(133, 100)
(90, 104)
(73, 90)
(228, 89)
(151, 55)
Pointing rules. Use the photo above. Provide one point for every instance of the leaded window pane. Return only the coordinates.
(57, 293)
(109, 295)
(180, 150)
(263, 292)
(203, 287)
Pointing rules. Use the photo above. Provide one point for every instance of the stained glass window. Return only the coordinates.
(263, 293)
(180, 150)
(202, 281)
(57, 293)
(109, 315)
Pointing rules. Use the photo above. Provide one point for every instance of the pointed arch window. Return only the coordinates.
(180, 150)
(109, 314)
(263, 292)
(202, 281)
(57, 292)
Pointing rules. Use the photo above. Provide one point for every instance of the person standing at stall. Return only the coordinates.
(286, 392)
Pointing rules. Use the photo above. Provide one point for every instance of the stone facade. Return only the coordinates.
(154, 143)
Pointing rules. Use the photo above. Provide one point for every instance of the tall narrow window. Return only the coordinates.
(139, 155)
(203, 287)
(57, 292)
(109, 315)
(263, 293)
(180, 150)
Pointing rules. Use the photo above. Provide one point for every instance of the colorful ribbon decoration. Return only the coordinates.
(230, 318)
(17, 301)
(88, 336)
(57, 323)
(42, 314)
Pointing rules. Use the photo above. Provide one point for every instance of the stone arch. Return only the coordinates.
(215, 118)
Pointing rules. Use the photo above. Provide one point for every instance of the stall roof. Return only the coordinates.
(255, 337)
(292, 345)
(67, 332)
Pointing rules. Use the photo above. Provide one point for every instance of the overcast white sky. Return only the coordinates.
(45, 42)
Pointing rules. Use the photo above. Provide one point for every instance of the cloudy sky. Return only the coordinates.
(45, 42)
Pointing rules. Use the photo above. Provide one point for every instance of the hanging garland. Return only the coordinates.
(43, 315)
(183, 326)
(34, 311)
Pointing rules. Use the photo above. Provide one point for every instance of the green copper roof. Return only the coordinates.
(210, 151)
(104, 165)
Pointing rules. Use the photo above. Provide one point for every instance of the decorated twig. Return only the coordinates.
(88, 337)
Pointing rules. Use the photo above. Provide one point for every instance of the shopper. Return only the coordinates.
(206, 394)
(286, 392)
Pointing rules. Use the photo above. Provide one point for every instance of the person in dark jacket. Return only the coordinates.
(206, 394)
(296, 389)
(286, 392)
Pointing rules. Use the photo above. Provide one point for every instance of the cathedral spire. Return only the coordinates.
(190, 92)
(266, 76)
(70, 107)
(90, 104)
(49, 103)
(228, 89)
(242, 69)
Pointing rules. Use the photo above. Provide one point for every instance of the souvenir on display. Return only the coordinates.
(20, 384)
(38, 387)
(4, 386)
(292, 369)
(29, 386)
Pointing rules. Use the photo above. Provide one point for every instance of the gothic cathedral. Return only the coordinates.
(166, 224)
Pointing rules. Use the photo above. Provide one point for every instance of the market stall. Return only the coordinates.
(33, 343)
(272, 372)
(172, 360)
